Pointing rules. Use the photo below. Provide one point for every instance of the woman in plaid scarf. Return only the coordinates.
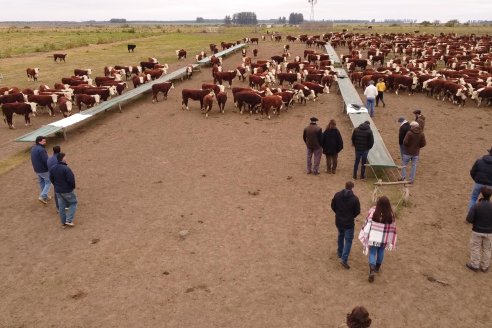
(378, 234)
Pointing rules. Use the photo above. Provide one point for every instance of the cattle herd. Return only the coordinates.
(445, 66)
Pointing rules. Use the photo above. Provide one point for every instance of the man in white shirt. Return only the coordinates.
(371, 92)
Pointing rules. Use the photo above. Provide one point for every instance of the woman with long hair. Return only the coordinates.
(332, 144)
(378, 234)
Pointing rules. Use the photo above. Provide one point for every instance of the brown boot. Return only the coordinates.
(371, 273)
(378, 267)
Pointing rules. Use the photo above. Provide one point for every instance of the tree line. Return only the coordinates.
(249, 18)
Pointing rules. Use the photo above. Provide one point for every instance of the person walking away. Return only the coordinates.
(64, 181)
(413, 141)
(346, 207)
(480, 215)
(52, 161)
(362, 140)
(481, 173)
(39, 159)
(332, 145)
(370, 92)
(312, 137)
(358, 318)
(420, 119)
(381, 87)
(404, 128)
(378, 234)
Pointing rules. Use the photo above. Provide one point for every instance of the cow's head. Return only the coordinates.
(33, 107)
(89, 81)
(36, 71)
(148, 77)
(112, 90)
(139, 69)
(97, 98)
(36, 92)
(326, 89)
(25, 97)
(177, 53)
(141, 79)
(54, 98)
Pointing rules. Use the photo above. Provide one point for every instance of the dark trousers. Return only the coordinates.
(380, 97)
(331, 162)
(360, 155)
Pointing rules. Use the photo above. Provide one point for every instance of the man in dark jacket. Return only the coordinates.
(332, 145)
(52, 161)
(413, 141)
(480, 215)
(420, 119)
(64, 181)
(481, 174)
(39, 160)
(312, 137)
(404, 128)
(346, 207)
(362, 140)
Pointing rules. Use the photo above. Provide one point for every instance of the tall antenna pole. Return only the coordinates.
(312, 2)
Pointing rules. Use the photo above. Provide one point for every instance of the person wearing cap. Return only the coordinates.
(413, 141)
(312, 137)
(362, 140)
(419, 118)
(404, 128)
(371, 93)
(481, 173)
(63, 180)
(381, 87)
(39, 160)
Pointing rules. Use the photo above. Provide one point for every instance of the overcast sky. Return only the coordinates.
(47, 10)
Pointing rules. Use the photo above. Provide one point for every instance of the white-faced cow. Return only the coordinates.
(32, 74)
(187, 94)
(24, 108)
(163, 87)
(181, 54)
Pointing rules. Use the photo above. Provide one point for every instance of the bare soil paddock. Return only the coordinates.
(261, 244)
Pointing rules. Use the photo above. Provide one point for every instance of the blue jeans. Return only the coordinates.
(475, 193)
(345, 237)
(65, 200)
(44, 184)
(401, 152)
(370, 106)
(376, 251)
(406, 159)
(358, 156)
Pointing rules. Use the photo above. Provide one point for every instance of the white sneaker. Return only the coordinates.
(70, 224)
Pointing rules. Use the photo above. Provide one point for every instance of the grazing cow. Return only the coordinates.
(313, 78)
(61, 86)
(163, 87)
(252, 99)
(226, 76)
(255, 52)
(11, 98)
(482, 94)
(154, 73)
(32, 74)
(27, 91)
(103, 92)
(65, 106)
(327, 80)
(139, 80)
(455, 92)
(136, 70)
(212, 46)
(271, 102)
(308, 52)
(304, 93)
(317, 88)
(217, 88)
(242, 73)
(18, 108)
(124, 70)
(82, 72)
(147, 65)
(289, 77)
(253, 40)
(278, 59)
(221, 101)
(257, 80)
(88, 100)
(208, 102)
(120, 86)
(103, 79)
(44, 101)
(278, 38)
(287, 97)
(189, 72)
(405, 82)
(187, 94)
(226, 45)
(181, 54)
(131, 47)
(59, 56)
(240, 89)
(214, 60)
(243, 52)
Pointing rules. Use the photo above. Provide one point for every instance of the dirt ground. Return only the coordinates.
(260, 248)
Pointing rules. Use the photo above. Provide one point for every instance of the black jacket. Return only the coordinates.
(346, 207)
(404, 128)
(481, 171)
(39, 158)
(362, 137)
(332, 142)
(62, 178)
(480, 215)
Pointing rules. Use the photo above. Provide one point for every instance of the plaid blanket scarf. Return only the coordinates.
(377, 234)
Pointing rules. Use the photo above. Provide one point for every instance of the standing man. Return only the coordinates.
(481, 174)
(413, 141)
(420, 119)
(480, 215)
(64, 181)
(362, 140)
(312, 138)
(39, 159)
(381, 87)
(404, 128)
(371, 93)
(346, 207)
(52, 161)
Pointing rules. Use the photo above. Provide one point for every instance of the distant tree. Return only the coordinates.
(373, 20)
(227, 20)
(425, 23)
(244, 18)
(452, 23)
(296, 18)
(281, 20)
(200, 20)
(436, 22)
(117, 20)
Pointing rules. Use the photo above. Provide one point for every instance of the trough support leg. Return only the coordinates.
(119, 107)
(65, 134)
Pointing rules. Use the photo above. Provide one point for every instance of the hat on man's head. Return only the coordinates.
(401, 120)
(417, 112)
(413, 123)
(314, 119)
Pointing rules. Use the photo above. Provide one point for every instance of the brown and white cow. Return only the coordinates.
(88, 100)
(291, 78)
(43, 101)
(252, 99)
(163, 87)
(221, 101)
(226, 76)
(103, 92)
(120, 86)
(139, 80)
(32, 74)
(187, 94)
(65, 106)
(82, 72)
(153, 73)
(271, 102)
(181, 54)
(24, 108)
(317, 88)
(217, 88)
(482, 94)
(208, 102)
(11, 98)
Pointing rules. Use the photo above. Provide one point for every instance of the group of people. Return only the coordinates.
(54, 170)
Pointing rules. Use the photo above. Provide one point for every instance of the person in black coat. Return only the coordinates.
(402, 132)
(363, 140)
(332, 145)
(480, 215)
(481, 173)
(63, 179)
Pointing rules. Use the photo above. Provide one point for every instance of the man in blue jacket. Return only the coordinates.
(39, 159)
(481, 173)
(52, 161)
(64, 181)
